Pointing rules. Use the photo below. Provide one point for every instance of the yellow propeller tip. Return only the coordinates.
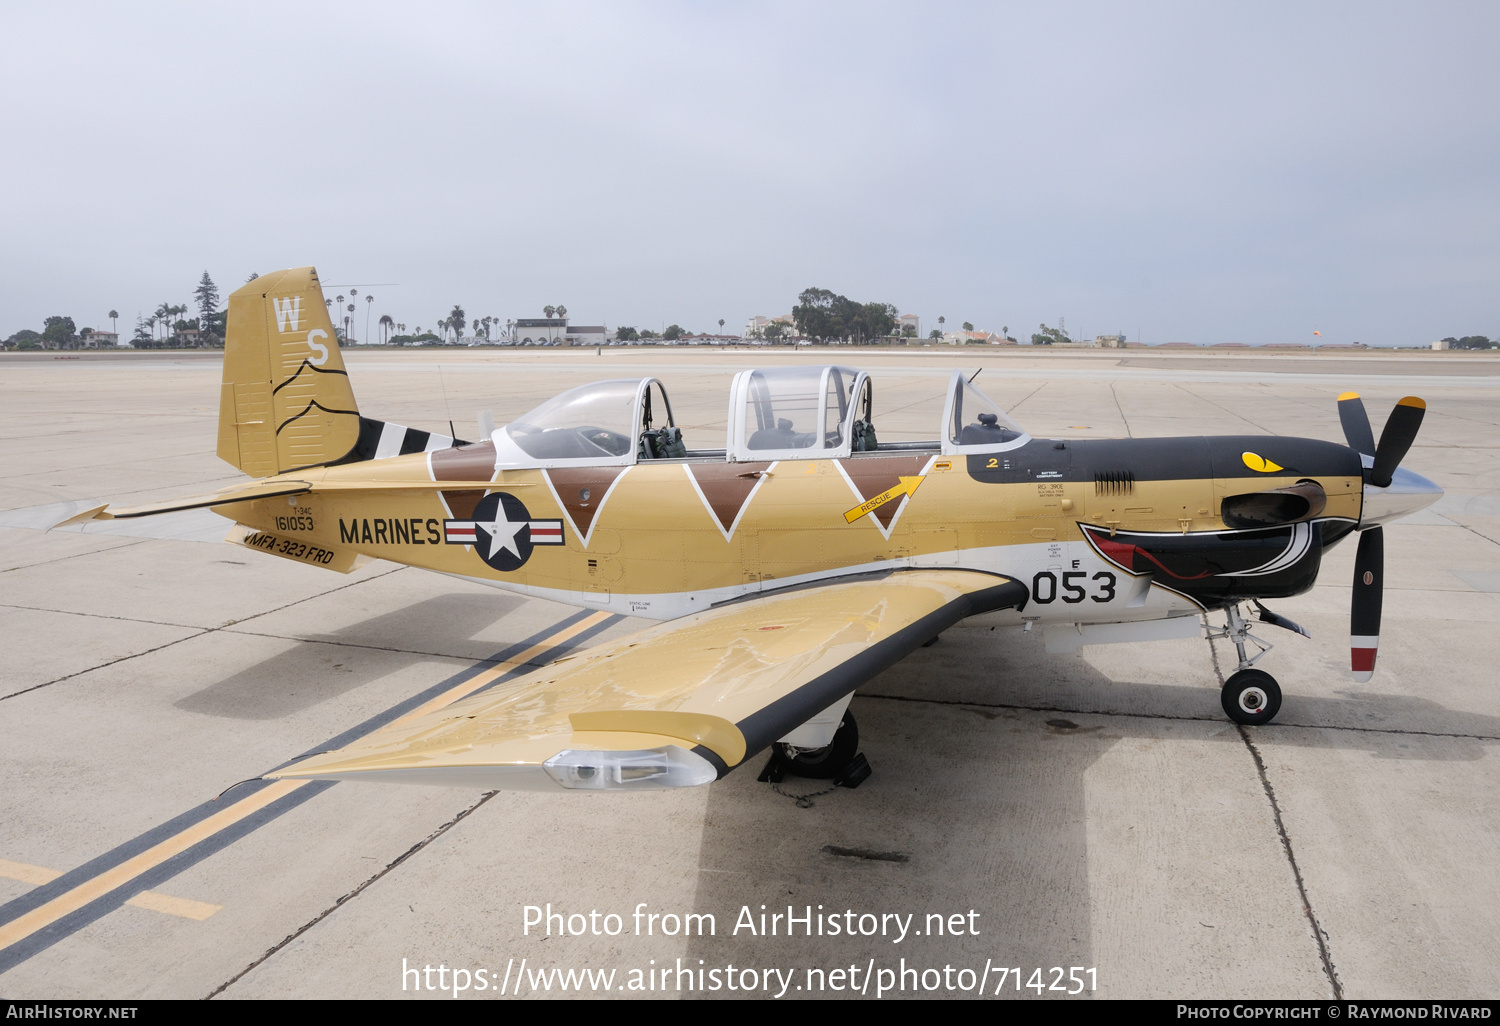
(1413, 402)
(1348, 395)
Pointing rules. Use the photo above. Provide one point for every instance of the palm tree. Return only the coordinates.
(369, 302)
(562, 312)
(386, 324)
(456, 321)
(549, 311)
(721, 325)
(114, 315)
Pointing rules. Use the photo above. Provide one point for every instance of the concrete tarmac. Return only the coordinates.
(1092, 812)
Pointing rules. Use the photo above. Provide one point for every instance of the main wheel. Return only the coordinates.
(1251, 697)
(827, 762)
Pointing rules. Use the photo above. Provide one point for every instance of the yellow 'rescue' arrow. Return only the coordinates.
(908, 486)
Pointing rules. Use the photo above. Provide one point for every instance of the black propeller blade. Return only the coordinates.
(1400, 431)
(1369, 562)
(1356, 424)
(1364, 611)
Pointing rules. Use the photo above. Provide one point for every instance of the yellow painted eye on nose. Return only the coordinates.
(1260, 463)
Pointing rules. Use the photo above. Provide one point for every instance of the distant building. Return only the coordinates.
(531, 330)
(1109, 341)
(911, 321)
(100, 340)
(756, 326)
(1443, 344)
(963, 338)
(585, 334)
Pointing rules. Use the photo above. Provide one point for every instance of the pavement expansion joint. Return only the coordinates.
(105, 616)
(1329, 970)
(1224, 409)
(1169, 716)
(1121, 410)
(91, 669)
(340, 902)
(309, 598)
(125, 544)
(200, 631)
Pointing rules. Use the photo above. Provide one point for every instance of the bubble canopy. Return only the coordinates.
(975, 423)
(794, 412)
(775, 413)
(594, 424)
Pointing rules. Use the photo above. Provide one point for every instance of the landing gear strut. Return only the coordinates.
(838, 761)
(1249, 696)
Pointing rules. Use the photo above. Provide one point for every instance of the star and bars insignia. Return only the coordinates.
(502, 531)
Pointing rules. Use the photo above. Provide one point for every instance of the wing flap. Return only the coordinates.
(724, 683)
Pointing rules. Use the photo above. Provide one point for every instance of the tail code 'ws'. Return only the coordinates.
(286, 402)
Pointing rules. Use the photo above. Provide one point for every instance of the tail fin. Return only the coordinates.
(286, 401)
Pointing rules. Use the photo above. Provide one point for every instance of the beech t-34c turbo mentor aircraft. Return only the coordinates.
(788, 567)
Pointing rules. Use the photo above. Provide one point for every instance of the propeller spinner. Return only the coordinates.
(1389, 493)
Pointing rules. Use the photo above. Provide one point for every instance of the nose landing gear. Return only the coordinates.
(1249, 696)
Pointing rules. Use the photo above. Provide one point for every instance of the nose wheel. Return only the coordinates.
(1251, 697)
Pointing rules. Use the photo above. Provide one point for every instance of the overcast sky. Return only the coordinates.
(1179, 172)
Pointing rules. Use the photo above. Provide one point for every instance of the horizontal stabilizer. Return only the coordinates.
(268, 489)
(93, 513)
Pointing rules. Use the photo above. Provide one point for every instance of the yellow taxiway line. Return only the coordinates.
(20, 928)
(184, 907)
(97, 887)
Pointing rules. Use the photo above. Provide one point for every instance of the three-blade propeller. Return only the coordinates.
(1369, 561)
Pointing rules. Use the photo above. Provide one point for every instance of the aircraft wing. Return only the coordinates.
(677, 704)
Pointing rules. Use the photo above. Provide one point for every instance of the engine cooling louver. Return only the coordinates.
(1114, 482)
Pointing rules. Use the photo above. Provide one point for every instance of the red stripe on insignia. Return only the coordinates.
(460, 534)
(546, 532)
(1362, 660)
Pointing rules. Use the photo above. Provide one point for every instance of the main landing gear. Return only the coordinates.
(839, 761)
(1249, 696)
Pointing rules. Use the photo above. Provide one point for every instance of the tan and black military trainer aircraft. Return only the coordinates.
(789, 566)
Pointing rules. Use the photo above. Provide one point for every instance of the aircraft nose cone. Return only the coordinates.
(1407, 493)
